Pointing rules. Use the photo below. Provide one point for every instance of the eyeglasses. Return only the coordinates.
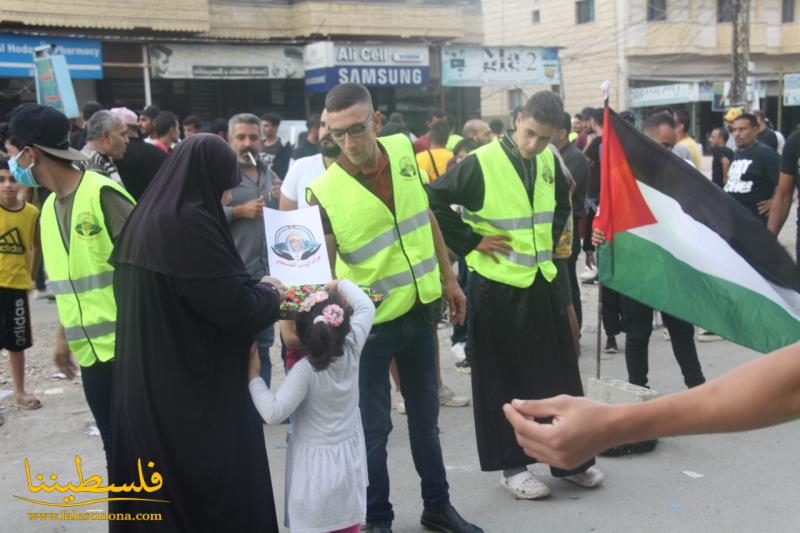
(354, 131)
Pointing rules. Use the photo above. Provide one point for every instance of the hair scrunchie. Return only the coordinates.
(333, 315)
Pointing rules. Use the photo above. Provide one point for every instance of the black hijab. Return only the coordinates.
(179, 229)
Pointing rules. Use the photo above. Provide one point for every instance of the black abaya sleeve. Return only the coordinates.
(464, 185)
(235, 303)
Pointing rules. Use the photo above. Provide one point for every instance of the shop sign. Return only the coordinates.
(225, 62)
(478, 66)
(84, 57)
(791, 90)
(327, 64)
(676, 93)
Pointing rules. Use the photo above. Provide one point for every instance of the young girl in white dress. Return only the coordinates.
(326, 466)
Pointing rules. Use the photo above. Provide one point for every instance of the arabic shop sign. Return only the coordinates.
(328, 64)
(474, 66)
(225, 62)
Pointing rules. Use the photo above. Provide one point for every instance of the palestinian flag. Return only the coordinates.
(679, 244)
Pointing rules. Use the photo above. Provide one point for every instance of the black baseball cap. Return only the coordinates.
(44, 127)
(151, 111)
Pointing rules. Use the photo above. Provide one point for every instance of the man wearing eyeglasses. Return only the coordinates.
(376, 216)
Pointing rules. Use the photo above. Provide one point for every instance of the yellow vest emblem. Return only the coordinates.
(408, 169)
(87, 226)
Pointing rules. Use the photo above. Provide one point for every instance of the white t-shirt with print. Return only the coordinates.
(301, 173)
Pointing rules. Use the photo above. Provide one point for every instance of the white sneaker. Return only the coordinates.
(708, 336)
(524, 486)
(400, 406)
(448, 398)
(589, 479)
(457, 351)
(42, 295)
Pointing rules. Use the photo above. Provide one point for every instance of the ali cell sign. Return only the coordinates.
(478, 66)
(84, 57)
(327, 64)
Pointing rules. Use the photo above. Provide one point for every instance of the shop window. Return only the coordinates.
(724, 11)
(656, 10)
(584, 11)
(515, 98)
(788, 11)
(535, 16)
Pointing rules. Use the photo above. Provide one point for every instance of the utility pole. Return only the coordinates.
(740, 44)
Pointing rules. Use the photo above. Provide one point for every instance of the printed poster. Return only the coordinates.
(296, 246)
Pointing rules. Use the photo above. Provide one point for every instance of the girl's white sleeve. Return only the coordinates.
(274, 408)
(363, 313)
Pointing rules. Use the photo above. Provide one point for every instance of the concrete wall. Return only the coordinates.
(589, 52)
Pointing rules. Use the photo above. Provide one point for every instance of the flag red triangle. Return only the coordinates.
(622, 206)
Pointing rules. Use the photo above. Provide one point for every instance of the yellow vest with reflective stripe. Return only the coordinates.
(82, 278)
(507, 210)
(391, 253)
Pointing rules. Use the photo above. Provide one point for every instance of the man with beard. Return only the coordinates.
(307, 169)
(147, 123)
(245, 213)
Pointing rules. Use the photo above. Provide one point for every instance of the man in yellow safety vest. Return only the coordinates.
(79, 222)
(376, 217)
(516, 204)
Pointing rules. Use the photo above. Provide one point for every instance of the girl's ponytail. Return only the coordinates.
(323, 323)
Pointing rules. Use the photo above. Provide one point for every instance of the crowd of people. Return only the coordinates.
(153, 239)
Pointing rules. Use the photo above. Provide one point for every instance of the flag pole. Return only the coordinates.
(604, 87)
(599, 323)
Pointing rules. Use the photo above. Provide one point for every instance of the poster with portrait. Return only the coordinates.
(296, 246)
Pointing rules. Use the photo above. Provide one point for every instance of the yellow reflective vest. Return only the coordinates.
(82, 278)
(392, 253)
(507, 211)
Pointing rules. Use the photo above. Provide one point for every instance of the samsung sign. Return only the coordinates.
(327, 64)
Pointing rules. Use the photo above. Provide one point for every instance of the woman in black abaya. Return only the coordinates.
(186, 315)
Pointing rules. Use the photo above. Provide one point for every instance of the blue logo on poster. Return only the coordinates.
(295, 243)
(84, 56)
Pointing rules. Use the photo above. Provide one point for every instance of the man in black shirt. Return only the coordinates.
(78, 139)
(789, 179)
(723, 156)
(274, 153)
(765, 133)
(521, 342)
(141, 161)
(754, 172)
(308, 143)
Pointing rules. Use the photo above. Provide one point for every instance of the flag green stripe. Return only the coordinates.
(644, 271)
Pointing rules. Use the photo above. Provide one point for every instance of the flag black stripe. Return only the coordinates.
(699, 198)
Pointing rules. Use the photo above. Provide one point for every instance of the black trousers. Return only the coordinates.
(612, 312)
(97, 381)
(638, 324)
(572, 265)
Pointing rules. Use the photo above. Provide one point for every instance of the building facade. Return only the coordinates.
(215, 58)
(653, 52)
